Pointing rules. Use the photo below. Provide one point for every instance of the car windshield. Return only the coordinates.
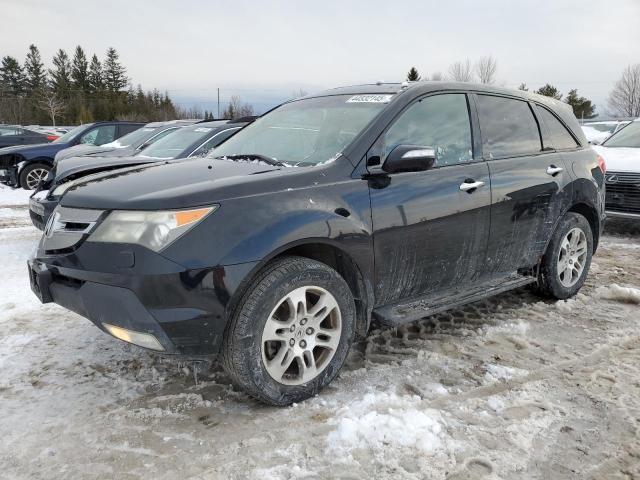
(305, 132)
(175, 143)
(628, 136)
(72, 133)
(602, 127)
(135, 138)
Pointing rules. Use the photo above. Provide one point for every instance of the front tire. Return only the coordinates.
(291, 331)
(566, 262)
(32, 175)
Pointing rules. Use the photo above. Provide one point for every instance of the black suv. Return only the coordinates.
(387, 202)
(27, 165)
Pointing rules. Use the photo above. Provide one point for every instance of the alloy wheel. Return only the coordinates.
(572, 257)
(35, 176)
(301, 335)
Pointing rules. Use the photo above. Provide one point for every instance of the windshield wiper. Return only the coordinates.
(253, 156)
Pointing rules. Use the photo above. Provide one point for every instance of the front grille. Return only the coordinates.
(623, 192)
(38, 220)
(67, 227)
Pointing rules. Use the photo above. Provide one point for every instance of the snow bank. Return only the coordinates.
(619, 294)
(13, 196)
(383, 420)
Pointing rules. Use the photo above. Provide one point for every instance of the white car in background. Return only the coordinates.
(621, 153)
(598, 132)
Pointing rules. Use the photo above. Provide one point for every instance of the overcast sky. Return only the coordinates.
(264, 50)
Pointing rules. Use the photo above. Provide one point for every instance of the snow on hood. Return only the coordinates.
(620, 159)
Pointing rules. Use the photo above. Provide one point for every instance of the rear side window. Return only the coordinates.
(127, 128)
(557, 135)
(508, 127)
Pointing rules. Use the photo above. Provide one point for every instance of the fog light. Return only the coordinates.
(145, 340)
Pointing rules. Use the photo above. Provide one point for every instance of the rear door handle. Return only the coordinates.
(469, 186)
(553, 170)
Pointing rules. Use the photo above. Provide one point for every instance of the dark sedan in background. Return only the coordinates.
(12, 135)
(26, 166)
(186, 142)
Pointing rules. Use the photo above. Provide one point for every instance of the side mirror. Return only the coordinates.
(595, 142)
(410, 158)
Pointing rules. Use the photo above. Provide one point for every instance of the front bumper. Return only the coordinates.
(184, 309)
(9, 175)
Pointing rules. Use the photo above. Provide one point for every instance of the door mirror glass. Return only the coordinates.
(410, 158)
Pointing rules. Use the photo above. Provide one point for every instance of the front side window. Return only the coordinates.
(559, 136)
(99, 135)
(8, 131)
(440, 122)
(308, 131)
(628, 136)
(508, 127)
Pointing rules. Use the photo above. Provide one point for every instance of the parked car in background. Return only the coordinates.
(598, 132)
(128, 145)
(184, 142)
(26, 166)
(621, 151)
(11, 135)
(384, 202)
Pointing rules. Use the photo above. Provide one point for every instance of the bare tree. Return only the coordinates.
(237, 109)
(51, 104)
(624, 99)
(461, 71)
(436, 77)
(486, 69)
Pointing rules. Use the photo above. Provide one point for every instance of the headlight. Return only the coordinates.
(154, 230)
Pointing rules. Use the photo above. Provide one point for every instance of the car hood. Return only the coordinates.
(82, 150)
(167, 185)
(620, 159)
(88, 164)
(44, 147)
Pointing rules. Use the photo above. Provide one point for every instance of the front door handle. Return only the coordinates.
(469, 186)
(553, 170)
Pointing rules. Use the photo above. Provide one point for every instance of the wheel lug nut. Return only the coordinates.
(303, 321)
(303, 344)
(292, 342)
(309, 331)
(293, 328)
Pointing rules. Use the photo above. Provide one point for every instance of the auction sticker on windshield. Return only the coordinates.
(370, 99)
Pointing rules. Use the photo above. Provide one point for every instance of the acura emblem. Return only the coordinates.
(613, 178)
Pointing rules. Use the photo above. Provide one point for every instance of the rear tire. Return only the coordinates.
(291, 332)
(566, 262)
(32, 175)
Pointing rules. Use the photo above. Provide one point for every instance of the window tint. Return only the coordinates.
(128, 128)
(508, 127)
(441, 122)
(213, 142)
(99, 135)
(559, 136)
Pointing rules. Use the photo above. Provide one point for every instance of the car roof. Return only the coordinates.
(168, 123)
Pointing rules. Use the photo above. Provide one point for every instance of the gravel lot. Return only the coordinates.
(509, 388)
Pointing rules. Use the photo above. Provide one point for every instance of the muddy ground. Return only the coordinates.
(510, 388)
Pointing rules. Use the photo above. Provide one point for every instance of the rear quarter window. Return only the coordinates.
(508, 127)
(556, 134)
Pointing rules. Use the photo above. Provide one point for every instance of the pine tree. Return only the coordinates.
(582, 107)
(549, 91)
(61, 74)
(12, 76)
(115, 78)
(35, 74)
(523, 87)
(413, 75)
(80, 70)
(94, 77)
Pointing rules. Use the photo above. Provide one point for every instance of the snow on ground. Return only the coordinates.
(512, 387)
